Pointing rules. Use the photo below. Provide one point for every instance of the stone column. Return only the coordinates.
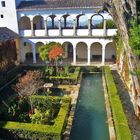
(74, 27)
(65, 22)
(89, 27)
(52, 22)
(105, 30)
(103, 55)
(32, 28)
(74, 55)
(34, 53)
(59, 27)
(77, 22)
(22, 52)
(88, 55)
(46, 28)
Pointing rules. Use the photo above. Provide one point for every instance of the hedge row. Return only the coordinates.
(71, 76)
(39, 131)
(120, 121)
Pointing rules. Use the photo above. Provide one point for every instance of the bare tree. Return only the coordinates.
(29, 83)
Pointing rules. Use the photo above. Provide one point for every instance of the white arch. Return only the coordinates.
(38, 21)
(24, 23)
(69, 21)
(81, 50)
(28, 55)
(82, 18)
(96, 51)
(110, 51)
(52, 21)
(98, 23)
(68, 47)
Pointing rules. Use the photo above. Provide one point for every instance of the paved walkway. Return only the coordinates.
(134, 122)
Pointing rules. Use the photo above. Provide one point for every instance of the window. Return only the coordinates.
(2, 16)
(3, 3)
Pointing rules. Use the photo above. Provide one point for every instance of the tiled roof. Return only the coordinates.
(57, 4)
(7, 34)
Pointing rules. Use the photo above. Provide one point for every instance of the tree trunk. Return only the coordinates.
(122, 11)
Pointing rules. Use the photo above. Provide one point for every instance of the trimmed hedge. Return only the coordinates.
(71, 76)
(120, 121)
(39, 131)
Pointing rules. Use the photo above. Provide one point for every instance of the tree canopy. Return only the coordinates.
(51, 51)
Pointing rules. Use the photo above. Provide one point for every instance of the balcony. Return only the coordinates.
(69, 33)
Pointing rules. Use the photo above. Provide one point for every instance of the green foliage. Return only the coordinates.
(40, 131)
(99, 26)
(134, 39)
(66, 76)
(120, 121)
(40, 117)
(110, 24)
(8, 76)
(119, 43)
(16, 109)
(44, 51)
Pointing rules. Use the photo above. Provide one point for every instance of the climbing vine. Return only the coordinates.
(118, 40)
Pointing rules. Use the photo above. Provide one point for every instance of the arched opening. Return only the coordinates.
(82, 22)
(28, 52)
(52, 22)
(68, 47)
(67, 22)
(81, 51)
(38, 22)
(37, 45)
(24, 23)
(97, 21)
(96, 52)
(110, 52)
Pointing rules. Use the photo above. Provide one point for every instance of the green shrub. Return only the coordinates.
(39, 131)
(110, 24)
(120, 121)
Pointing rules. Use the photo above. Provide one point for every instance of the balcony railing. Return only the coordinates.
(68, 32)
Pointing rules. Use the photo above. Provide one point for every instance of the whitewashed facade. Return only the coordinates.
(74, 28)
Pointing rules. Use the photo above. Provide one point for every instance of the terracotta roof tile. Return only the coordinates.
(53, 4)
(7, 34)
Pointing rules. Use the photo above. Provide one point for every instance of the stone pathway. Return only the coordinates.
(73, 91)
(134, 122)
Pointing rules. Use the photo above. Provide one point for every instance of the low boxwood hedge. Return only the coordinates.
(120, 121)
(38, 131)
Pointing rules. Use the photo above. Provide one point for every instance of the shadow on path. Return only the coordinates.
(134, 122)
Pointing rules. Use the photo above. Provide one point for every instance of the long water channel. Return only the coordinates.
(90, 121)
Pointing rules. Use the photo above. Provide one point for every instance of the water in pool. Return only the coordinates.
(90, 122)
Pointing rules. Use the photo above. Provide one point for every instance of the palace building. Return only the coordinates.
(85, 31)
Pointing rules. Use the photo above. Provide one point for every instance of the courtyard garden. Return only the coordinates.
(26, 114)
(33, 111)
(40, 102)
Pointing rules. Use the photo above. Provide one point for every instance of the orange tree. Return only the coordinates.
(51, 52)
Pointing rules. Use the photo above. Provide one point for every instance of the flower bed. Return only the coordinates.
(120, 121)
(39, 130)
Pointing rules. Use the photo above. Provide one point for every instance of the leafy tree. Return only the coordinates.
(44, 51)
(134, 40)
(51, 52)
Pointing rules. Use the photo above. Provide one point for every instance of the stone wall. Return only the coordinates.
(122, 11)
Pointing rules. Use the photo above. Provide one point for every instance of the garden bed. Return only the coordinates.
(119, 118)
(68, 75)
(38, 130)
